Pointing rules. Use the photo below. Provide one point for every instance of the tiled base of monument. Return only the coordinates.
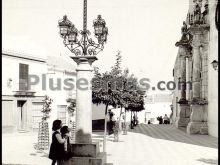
(197, 124)
(184, 115)
(182, 122)
(197, 128)
(87, 154)
(85, 150)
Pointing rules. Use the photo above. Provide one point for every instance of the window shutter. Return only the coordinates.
(23, 76)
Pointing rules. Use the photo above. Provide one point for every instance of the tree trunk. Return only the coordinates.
(120, 119)
(105, 128)
(134, 114)
(125, 125)
(125, 116)
(131, 121)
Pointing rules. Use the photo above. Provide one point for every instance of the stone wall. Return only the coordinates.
(213, 74)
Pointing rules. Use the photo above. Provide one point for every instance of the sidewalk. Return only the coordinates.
(145, 145)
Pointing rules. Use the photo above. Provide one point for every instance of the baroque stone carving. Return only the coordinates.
(197, 14)
(199, 17)
(186, 36)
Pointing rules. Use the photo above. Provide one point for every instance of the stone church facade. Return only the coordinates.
(195, 101)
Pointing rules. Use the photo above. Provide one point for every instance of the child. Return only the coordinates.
(56, 148)
(67, 148)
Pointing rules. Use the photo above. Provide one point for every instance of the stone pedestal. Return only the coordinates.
(184, 116)
(87, 154)
(197, 125)
(84, 151)
(99, 160)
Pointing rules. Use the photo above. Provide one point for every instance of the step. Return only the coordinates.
(99, 160)
(85, 149)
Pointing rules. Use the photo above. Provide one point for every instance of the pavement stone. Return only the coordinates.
(143, 145)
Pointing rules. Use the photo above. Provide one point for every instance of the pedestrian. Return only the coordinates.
(160, 119)
(112, 123)
(165, 119)
(57, 145)
(116, 130)
(67, 147)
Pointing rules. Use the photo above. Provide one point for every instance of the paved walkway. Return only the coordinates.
(144, 145)
(162, 145)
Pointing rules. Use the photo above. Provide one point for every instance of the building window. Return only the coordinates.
(61, 113)
(23, 77)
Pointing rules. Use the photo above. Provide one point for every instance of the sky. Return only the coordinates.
(145, 31)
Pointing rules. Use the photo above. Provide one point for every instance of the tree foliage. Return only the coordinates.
(117, 88)
(71, 107)
(46, 107)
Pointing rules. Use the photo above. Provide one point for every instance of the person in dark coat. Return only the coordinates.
(160, 119)
(57, 146)
(67, 147)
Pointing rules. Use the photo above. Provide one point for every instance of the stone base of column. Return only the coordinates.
(182, 122)
(197, 125)
(99, 160)
(82, 137)
(85, 150)
(197, 128)
(87, 154)
(184, 116)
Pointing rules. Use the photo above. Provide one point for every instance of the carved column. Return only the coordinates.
(188, 77)
(197, 122)
(196, 70)
(184, 112)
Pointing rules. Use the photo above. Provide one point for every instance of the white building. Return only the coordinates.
(22, 103)
(156, 104)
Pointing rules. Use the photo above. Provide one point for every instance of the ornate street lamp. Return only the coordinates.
(85, 46)
(64, 25)
(85, 51)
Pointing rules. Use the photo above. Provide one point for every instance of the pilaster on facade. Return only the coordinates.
(198, 117)
(193, 57)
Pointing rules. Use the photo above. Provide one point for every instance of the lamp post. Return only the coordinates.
(84, 46)
(84, 51)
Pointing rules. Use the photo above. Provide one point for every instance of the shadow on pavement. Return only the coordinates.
(208, 161)
(171, 133)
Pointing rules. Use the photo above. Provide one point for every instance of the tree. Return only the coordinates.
(116, 88)
(104, 89)
(46, 108)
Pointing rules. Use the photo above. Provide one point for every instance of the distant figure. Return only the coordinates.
(160, 119)
(116, 130)
(171, 118)
(111, 122)
(149, 122)
(165, 119)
